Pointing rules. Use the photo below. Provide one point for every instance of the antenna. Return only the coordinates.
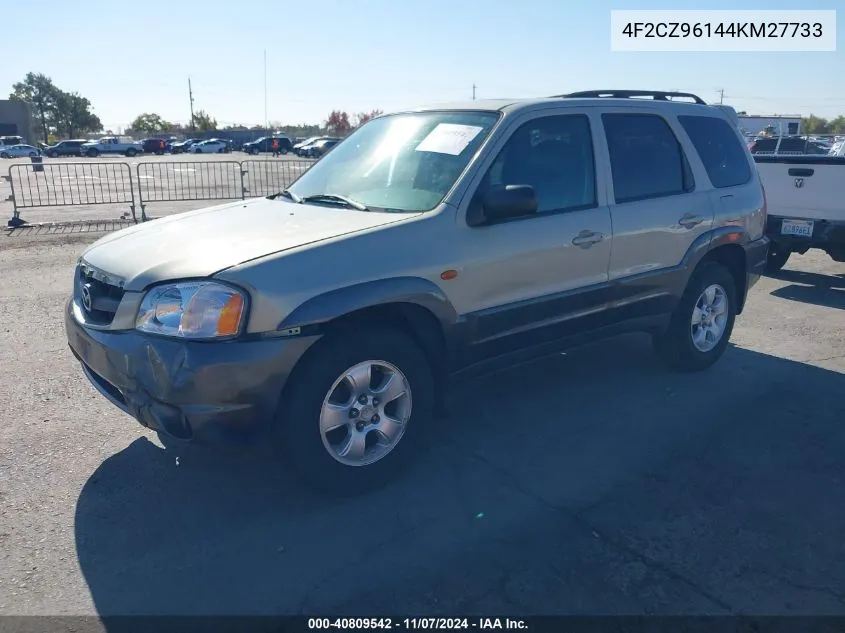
(191, 97)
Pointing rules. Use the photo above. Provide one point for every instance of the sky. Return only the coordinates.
(359, 55)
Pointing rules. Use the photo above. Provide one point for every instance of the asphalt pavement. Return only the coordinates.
(593, 482)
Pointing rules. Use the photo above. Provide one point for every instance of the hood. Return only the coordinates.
(201, 243)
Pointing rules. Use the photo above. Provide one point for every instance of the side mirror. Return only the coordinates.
(503, 202)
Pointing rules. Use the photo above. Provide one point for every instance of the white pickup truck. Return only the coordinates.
(112, 145)
(805, 198)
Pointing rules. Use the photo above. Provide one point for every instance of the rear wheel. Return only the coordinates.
(32, 154)
(776, 258)
(355, 411)
(131, 152)
(702, 323)
(92, 153)
(4, 155)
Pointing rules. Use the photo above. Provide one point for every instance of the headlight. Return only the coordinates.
(192, 310)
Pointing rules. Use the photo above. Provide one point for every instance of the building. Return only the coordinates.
(16, 119)
(783, 125)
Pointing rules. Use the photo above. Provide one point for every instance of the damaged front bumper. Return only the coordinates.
(222, 391)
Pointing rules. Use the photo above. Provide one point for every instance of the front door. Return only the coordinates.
(539, 278)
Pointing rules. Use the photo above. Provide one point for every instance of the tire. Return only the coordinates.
(776, 258)
(4, 155)
(131, 153)
(312, 455)
(676, 346)
(92, 153)
(53, 154)
(32, 154)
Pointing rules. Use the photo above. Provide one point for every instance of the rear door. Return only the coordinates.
(660, 204)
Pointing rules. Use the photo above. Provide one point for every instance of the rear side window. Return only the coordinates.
(646, 160)
(719, 149)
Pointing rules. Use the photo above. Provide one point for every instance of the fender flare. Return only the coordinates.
(337, 303)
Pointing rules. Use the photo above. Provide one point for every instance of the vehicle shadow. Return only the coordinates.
(492, 513)
(812, 288)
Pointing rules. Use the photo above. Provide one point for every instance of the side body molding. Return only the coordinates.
(336, 303)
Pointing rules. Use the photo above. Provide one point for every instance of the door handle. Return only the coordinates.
(585, 239)
(689, 220)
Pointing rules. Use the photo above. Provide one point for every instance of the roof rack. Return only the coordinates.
(656, 95)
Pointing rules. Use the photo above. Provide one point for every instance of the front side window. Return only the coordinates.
(646, 159)
(554, 155)
(401, 162)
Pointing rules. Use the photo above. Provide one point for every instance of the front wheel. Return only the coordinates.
(4, 155)
(53, 154)
(32, 154)
(92, 153)
(354, 413)
(776, 258)
(131, 153)
(702, 323)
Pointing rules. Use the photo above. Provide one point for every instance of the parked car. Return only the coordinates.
(806, 196)
(8, 141)
(211, 146)
(315, 150)
(156, 146)
(305, 142)
(178, 147)
(112, 145)
(17, 151)
(490, 232)
(300, 148)
(265, 144)
(71, 147)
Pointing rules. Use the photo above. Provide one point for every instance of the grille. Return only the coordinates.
(105, 297)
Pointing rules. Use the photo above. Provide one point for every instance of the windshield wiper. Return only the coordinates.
(287, 194)
(330, 197)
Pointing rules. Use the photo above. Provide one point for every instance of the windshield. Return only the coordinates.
(401, 162)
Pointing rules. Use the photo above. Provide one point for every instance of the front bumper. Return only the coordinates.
(225, 391)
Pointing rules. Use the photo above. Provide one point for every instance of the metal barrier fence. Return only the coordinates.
(70, 184)
(179, 181)
(100, 183)
(266, 177)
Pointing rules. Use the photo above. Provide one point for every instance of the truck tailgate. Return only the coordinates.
(811, 187)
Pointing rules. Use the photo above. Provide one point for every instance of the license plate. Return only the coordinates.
(800, 228)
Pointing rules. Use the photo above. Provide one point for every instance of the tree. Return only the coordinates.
(338, 123)
(363, 117)
(150, 123)
(39, 90)
(73, 116)
(203, 121)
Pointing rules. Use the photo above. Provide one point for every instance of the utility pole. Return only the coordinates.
(721, 96)
(266, 122)
(191, 97)
(473, 92)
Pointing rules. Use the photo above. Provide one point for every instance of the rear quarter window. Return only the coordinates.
(719, 148)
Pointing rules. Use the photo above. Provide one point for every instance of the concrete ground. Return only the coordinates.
(588, 483)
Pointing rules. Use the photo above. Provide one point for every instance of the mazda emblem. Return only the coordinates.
(86, 297)
(799, 182)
